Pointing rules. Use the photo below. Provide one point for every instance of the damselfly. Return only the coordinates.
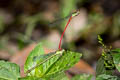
(59, 51)
(73, 14)
(57, 21)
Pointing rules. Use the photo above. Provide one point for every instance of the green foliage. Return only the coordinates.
(82, 77)
(34, 53)
(9, 71)
(117, 50)
(100, 40)
(108, 62)
(107, 77)
(40, 65)
(61, 76)
(116, 58)
(105, 64)
(100, 68)
(30, 78)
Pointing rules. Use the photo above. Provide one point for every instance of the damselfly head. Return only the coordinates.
(76, 13)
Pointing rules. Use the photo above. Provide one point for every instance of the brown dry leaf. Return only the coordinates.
(82, 67)
(4, 55)
(116, 44)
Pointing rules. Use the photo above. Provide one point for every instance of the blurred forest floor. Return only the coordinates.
(24, 23)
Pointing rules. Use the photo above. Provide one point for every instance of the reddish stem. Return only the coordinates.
(64, 32)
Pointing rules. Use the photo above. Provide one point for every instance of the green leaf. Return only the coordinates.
(100, 40)
(30, 78)
(83, 77)
(100, 68)
(107, 77)
(116, 58)
(45, 65)
(37, 51)
(117, 50)
(64, 62)
(9, 71)
(60, 76)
